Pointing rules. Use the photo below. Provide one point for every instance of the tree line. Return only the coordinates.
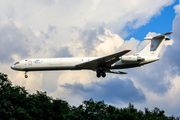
(16, 103)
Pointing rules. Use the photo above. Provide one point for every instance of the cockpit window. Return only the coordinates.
(16, 63)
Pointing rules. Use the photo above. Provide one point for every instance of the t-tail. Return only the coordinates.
(149, 53)
(154, 47)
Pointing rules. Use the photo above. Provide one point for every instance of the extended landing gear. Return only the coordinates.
(100, 73)
(26, 76)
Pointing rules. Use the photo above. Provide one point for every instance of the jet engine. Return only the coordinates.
(131, 59)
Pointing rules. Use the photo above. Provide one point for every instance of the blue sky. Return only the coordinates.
(57, 28)
(160, 23)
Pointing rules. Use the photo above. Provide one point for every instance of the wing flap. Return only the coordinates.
(115, 72)
(102, 61)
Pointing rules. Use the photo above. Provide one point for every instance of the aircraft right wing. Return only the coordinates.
(105, 61)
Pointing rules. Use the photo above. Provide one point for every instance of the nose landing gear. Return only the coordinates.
(101, 72)
(26, 76)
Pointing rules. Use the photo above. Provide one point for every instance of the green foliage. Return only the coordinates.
(16, 103)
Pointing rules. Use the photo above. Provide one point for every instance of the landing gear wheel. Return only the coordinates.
(103, 74)
(98, 75)
(26, 76)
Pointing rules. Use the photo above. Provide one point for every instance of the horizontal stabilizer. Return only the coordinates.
(162, 36)
(115, 72)
(159, 36)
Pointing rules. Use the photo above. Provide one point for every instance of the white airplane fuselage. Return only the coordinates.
(42, 64)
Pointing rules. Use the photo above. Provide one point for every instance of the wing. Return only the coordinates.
(105, 61)
(115, 72)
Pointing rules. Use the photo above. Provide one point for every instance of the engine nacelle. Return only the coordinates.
(131, 59)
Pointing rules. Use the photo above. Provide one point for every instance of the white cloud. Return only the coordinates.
(114, 15)
(96, 42)
(177, 9)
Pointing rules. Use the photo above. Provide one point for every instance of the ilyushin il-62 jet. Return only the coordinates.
(101, 65)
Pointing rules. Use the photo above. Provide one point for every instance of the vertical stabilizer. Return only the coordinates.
(155, 45)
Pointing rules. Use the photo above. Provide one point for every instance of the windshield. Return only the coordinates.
(16, 63)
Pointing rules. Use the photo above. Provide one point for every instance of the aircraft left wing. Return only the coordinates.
(105, 61)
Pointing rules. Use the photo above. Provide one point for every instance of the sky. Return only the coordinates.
(83, 28)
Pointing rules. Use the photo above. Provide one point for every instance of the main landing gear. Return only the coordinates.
(100, 73)
(26, 76)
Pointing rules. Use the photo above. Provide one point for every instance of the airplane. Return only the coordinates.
(101, 65)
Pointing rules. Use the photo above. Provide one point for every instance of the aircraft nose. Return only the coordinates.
(12, 67)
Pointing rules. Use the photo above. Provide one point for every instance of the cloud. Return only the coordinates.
(116, 15)
(89, 38)
(14, 41)
(119, 16)
(111, 91)
(173, 59)
(52, 29)
(63, 52)
(95, 42)
(153, 77)
(50, 81)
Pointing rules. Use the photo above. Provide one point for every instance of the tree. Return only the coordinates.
(11, 99)
(17, 103)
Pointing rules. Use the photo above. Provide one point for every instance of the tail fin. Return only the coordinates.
(154, 47)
